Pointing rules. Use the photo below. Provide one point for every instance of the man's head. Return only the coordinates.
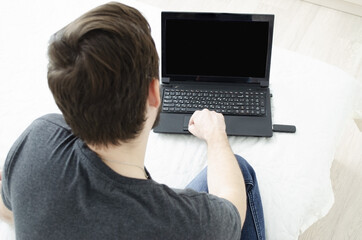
(100, 70)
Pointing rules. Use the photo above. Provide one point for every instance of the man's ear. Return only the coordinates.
(154, 98)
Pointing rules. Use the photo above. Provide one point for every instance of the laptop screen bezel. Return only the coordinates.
(165, 16)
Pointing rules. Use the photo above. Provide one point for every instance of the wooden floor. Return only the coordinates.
(335, 38)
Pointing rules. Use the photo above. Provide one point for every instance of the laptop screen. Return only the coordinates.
(214, 46)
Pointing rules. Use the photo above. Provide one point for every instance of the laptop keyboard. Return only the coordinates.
(247, 102)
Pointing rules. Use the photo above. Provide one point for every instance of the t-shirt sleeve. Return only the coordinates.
(5, 191)
(10, 161)
(7, 170)
(218, 217)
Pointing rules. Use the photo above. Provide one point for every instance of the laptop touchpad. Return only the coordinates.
(186, 123)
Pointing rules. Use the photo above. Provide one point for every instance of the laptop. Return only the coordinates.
(218, 61)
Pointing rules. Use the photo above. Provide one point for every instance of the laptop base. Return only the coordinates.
(251, 126)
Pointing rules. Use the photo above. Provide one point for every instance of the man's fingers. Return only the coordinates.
(192, 118)
(191, 126)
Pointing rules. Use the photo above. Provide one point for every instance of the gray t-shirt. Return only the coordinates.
(58, 188)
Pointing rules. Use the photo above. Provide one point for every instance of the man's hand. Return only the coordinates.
(5, 214)
(207, 125)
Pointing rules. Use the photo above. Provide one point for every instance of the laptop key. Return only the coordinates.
(192, 109)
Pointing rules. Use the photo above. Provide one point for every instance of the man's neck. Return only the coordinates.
(132, 152)
(126, 159)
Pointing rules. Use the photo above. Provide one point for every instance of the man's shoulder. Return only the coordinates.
(44, 133)
(52, 119)
(201, 200)
(217, 216)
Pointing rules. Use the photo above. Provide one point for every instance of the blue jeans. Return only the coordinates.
(253, 227)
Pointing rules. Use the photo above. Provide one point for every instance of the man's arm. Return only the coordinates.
(5, 214)
(224, 176)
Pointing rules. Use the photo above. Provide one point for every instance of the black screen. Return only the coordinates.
(216, 48)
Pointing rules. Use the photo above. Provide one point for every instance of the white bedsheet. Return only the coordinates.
(293, 170)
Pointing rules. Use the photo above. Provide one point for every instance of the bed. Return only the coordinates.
(293, 170)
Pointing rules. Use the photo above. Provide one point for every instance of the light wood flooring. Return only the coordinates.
(335, 38)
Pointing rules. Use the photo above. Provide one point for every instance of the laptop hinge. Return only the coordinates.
(165, 80)
(264, 84)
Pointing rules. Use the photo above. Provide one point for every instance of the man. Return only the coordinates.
(81, 175)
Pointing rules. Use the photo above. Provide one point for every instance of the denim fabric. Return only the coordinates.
(253, 227)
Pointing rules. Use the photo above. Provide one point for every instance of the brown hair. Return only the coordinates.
(100, 68)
